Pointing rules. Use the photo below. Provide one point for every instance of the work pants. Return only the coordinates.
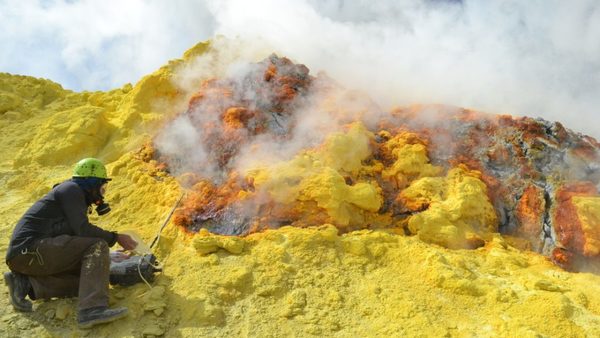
(67, 266)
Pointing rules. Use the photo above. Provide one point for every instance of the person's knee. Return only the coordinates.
(98, 254)
(99, 248)
(103, 247)
(96, 261)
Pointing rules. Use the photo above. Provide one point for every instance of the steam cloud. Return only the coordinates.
(522, 58)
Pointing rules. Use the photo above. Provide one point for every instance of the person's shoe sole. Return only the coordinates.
(9, 282)
(94, 322)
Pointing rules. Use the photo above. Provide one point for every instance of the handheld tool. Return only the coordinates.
(142, 266)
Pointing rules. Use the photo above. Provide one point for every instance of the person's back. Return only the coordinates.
(56, 252)
(62, 211)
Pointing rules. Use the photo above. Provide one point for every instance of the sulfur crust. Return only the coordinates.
(284, 282)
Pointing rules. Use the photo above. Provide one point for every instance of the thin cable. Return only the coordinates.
(157, 237)
(140, 272)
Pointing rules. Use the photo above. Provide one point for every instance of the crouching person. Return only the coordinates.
(56, 252)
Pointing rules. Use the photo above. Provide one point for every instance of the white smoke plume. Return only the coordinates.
(523, 58)
(315, 114)
(180, 137)
(534, 58)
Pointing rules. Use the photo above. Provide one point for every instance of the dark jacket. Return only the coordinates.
(62, 211)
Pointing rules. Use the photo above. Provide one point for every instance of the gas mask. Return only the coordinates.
(102, 208)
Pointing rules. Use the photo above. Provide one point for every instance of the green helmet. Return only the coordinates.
(90, 167)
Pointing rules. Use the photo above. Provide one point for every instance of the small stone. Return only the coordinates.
(9, 317)
(23, 324)
(205, 245)
(153, 330)
(546, 286)
(153, 305)
(234, 245)
(50, 313)
(63, 311)
(12, 115)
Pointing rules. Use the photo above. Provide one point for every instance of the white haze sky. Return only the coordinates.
(535, 58)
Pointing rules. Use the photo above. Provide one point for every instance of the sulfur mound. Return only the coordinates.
(451, 176)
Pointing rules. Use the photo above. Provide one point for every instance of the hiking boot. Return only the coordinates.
(99, 315)
(18, 288)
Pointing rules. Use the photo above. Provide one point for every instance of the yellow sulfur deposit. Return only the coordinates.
(311, 282)
(459, 212)
(346, 151)
(411, 160)
(317, 176)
